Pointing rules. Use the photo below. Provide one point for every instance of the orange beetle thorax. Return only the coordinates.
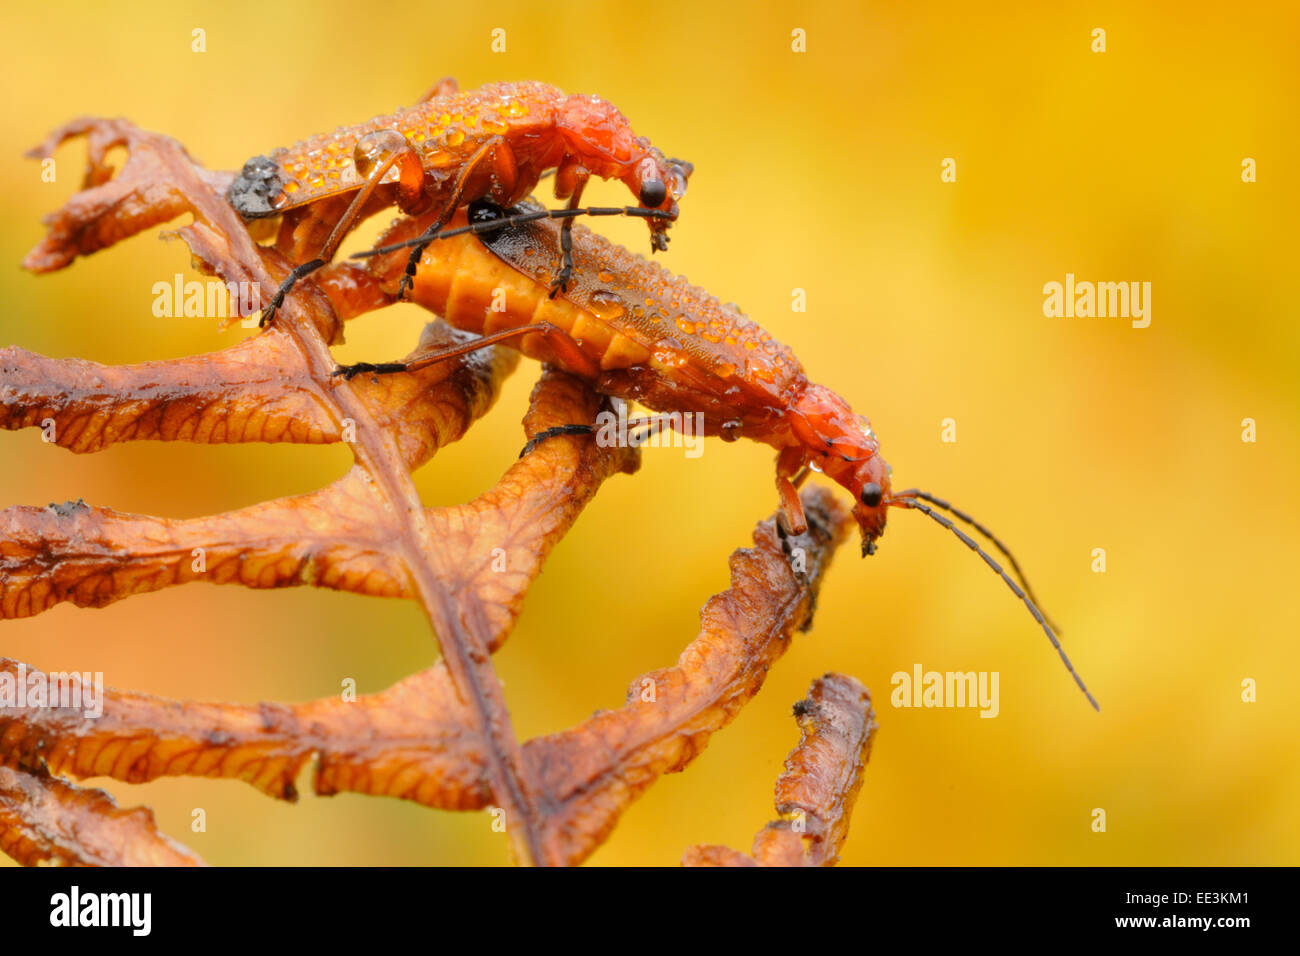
(599, 139)
(600, 135)
(843, 446)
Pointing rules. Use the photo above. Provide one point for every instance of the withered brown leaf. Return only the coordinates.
(823, 775)
(47, 820)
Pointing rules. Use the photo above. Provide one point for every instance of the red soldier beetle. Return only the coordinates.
(637, 332)
(448, 150)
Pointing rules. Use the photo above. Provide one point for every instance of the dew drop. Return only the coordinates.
(605, 305)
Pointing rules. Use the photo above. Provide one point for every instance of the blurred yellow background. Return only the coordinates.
(821, 171)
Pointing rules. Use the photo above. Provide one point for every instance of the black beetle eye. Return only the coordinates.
(871, 494)
(653, 193)
(484, 211)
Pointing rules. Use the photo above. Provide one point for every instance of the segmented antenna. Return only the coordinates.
(1015, 588)
(486, 224)
(963, 516)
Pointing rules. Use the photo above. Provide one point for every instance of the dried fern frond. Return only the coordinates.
(442, 737)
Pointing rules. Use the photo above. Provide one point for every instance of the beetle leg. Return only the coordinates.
(791, 471)
(503, 173)
(570, 180)
(561, 344)
(790, 517)
(375, 154)
(633, 440)
(555, 432)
